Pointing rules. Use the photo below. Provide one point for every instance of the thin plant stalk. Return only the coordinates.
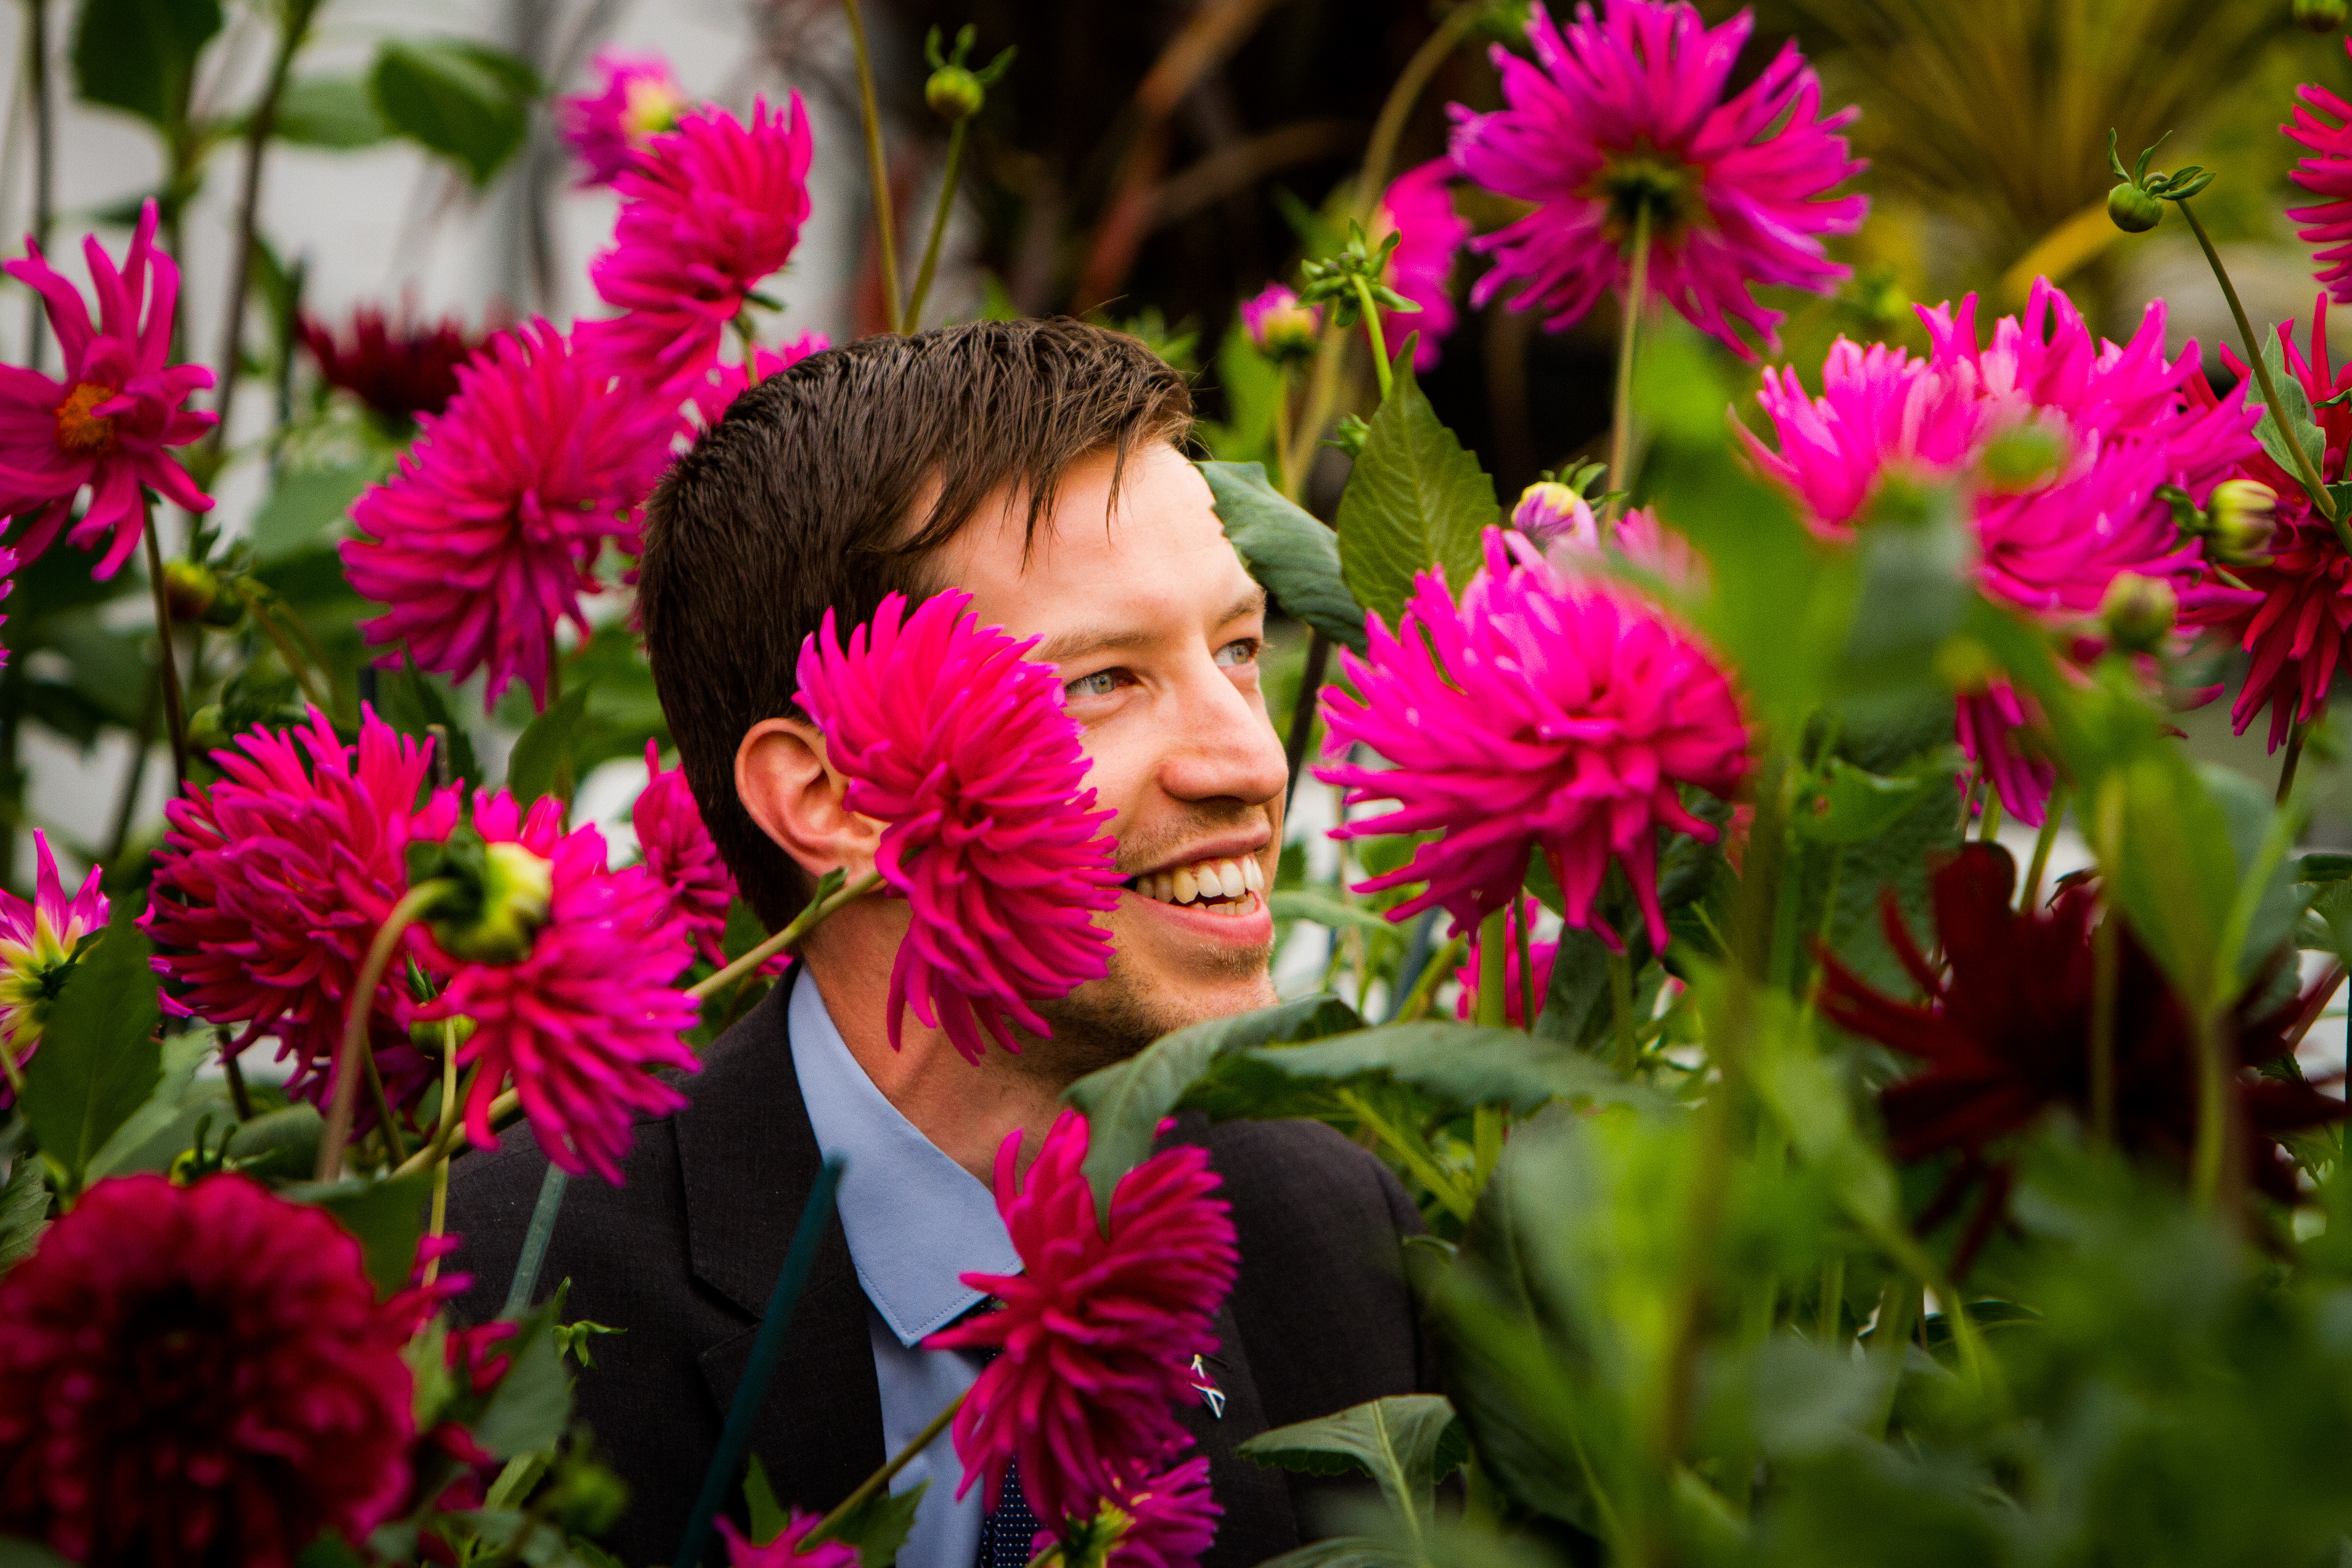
(440, 1221)
(1637, 292)
(1379, 151)
(2207, 1159)
(2053, 815)
(1373, 335)
(174, 720)
(2106, 973)
(1520, 923)
(1621, 1008)
(1282, 470)
(258, 126)
(535, 1238)
(1989, 830)
(1432, 975)
(44, 159)
(939, 214)
(2294, 760)
(2312, 481)
(886, 1474)
(786, 938)
(1494, 1013)
(412, 905)
(1302, 715)
(878, 169)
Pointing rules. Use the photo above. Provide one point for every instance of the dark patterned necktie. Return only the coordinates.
(1007, 1532)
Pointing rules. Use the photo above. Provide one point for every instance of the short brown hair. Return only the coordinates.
(800, 500)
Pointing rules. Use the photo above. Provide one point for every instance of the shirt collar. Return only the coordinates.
(914, 1219)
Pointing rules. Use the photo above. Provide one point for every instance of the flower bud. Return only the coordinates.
(2239, 520)
(2024, 456)
(2139, 612)
(2133, 209)
(496, 898)
(2319, 16)
(195, 593)
(427, 1036)
(1283, 329)
(1966, 665)
(954, 93)
(1550, 510)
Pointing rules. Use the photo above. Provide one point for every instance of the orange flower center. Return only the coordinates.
(80, 432)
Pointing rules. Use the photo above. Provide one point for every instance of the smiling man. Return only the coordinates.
(1035, 465)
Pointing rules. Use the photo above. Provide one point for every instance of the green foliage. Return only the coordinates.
(1416, 498)
(387, 1217)
(465, 101)
(878, 1527)
(1288, 550)
(541, 761)
(99, 1059)
(140, 54)
(331, 111)
(416, 704)
(1406, 1443)
(24, 1212)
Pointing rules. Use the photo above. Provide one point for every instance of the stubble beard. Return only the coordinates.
(1107, 1021)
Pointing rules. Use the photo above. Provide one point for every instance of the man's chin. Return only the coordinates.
(1109, 1020)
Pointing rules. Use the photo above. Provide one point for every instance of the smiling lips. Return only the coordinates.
(1225, 887)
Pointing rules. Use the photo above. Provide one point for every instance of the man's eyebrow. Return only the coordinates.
(1062, 647)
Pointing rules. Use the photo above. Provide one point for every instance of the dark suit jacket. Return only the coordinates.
(684, 1255)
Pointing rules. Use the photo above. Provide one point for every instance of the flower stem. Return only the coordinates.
(1302, 715)
(2106, 969)
(1637, 292)
(1432, 975)
(2053, 815)
(450, 1134)
(36, 59)
(1620, 1008)
(1282, 479)
(166, 658)
(1526, 970)
(785, 940)
(440, 1223)
(883, 1476)
(1494, 958)
(2207, 1162)
(1989, 830)
(2294, 735)
(535, 1238)
(2311, 482)
(938, 229)
(359, 1010)
(1379, 151)
(1373, 334)
(878, 169)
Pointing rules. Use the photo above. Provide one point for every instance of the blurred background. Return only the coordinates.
(1152, 163)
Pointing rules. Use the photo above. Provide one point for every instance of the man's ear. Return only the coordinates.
(788, 784)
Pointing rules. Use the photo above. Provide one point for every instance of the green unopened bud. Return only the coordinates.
(195, 593)
(427, 1036)
(496, 895)
(2024, 456)
(2319, 16)
(207, 729)
(2133, 209)
(2139, 612)
(1966, 665)
(2239, 520)
(954, 93)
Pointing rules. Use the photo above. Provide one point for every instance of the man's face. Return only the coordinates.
(1155, 627)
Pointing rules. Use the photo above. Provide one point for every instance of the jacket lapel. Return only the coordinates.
(749, 1158)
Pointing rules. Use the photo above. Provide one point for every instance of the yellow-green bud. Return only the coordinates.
(2020, 458)
(2133, 209)
(1966, 665)
(2239, 520)
(195, 593)
(2319, 16)
(428, 1038)
(515, 886)
(2139, 612)
(954, 93)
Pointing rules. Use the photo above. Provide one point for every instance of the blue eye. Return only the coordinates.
(1239, 652)
(1101, 683)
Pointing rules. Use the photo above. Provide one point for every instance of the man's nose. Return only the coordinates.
(1219, 744)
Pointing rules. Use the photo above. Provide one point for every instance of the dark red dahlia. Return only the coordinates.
(399, 367)
(198, 1376)
(2005, 1032)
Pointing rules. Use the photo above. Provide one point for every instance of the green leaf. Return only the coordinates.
(283, 1144)
(541, 761)
(878, 1526)
(140, 55)
(1288, 550)
(1847, 805)
(24, 1212)
(1335, 914)
(2293, 415)
(305, 503)
(1406, 1442)
(1416, 498)
(99, 1059)
(159, 1131)
(1576, 1009)
(413, 703)
(335, 111)
(532, 1406)
(385, 1216)
(767, 1516)
(1341, 1551)
(16, 1552)
(465, 101)
(1123, 1104)
(1459, 1062)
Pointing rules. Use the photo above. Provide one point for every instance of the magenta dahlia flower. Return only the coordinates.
(2326, 172)
(38, 945)
(1539, 714)
(2297, 618)
(707, 210)
(197, 1375)
(582, 1020)
(787, 1550)
(270, 885)
(676, 847)
(959, 744)
(606, 130)
(1281, 328)
(1563, 524)
(106, 424)
(1097, 1332)
(1165, 1520)
(398, 367)
(1419, 209)
(486, 538)
(1542, 952)
(1629, 112)
(7, 586)
(717, 392)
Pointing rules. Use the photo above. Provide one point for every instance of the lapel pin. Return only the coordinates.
(1206, 1388)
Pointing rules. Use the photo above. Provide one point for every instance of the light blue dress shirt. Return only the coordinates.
(915, 1220)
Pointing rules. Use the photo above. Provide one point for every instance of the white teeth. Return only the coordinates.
(1253, 876)
(1229, 878)
(1187, 887)
(1225, 885)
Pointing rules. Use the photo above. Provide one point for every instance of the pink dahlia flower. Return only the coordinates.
(1419, 208)
(1097, 1332)
(956, 742)
(582, 1020)
(676, 847)
(1465, 1003)
(606, 130)
(486, 538)
(1539, 714)
(106, 424)
(786, 1551)
(1144, 1522)
(1628, 111)
(2297, 618)
(270, 885)
(38, 943)
(7, 586)
(397, 367)
(1281, 327)
(707, 210)
(717, 392)
(197, 1375)
(1563, 524)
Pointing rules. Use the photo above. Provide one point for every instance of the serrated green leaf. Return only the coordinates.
(1461, 1064)
(465, 101)
(336, 112)
(878, 1527)
(1123, 1104)
(2292, 419)
(24, 1212)
(1416, 498)
(1397, 1441)
(1288, 550)
(541, 761)
(99, 1058)
(140, 54)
